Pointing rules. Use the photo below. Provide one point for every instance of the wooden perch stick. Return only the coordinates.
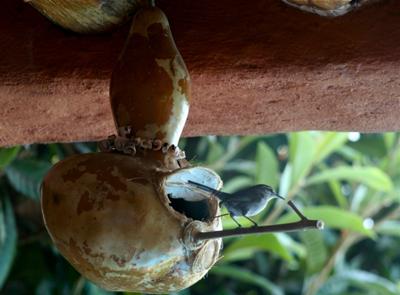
(288, 227)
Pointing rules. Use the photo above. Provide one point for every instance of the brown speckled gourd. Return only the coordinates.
(124, 220)
(88, 16)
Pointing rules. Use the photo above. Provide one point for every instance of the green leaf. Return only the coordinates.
(284, 185)
(360, 198)
(239, 254)
(328, 143)
(215, 152)
(332, 217)
(8, 237)
(2, 225)
(301, 155)
(350, 154)
(267, 168)
(55, 153)
(46, 287)
(187, 292)
(389, 227)
(237, 183)
(370, 282)
(7, 155)
(337, 193)
(389, 139)
(266, 242)
(26, 176)
(246, 141)
(202, 145)
(240, 166)
(245, 276)
(316, 250)
(291, 245)
(370, 145)
(92, 289)
(370, 176)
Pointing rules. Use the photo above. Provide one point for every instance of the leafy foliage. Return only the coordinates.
(8, 237)
(7, 155)
(269, 242)
(371, 176)
(26, 175)
(353, 186)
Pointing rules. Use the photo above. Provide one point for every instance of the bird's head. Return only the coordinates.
(269, 191)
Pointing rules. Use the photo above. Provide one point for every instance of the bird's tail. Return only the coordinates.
(204, 188)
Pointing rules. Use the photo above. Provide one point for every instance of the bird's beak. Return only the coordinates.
(278, 196)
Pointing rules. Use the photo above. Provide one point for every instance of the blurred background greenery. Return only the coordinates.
(349, 180)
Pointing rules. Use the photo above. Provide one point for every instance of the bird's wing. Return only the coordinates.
(258, 190)
(237, 206)
(244, 191)
(248, 195)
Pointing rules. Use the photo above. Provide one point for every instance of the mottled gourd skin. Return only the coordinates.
(328, 7)
(90, 16)
(322, 4)
(110, 218)
(150, 85)
(87, 16)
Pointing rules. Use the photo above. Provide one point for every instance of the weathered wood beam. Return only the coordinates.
(257, 67)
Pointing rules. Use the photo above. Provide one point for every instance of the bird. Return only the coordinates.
(245, 202)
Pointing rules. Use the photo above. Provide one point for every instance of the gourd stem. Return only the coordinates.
(294, 226)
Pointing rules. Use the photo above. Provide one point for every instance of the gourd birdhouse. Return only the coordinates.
(122, 217)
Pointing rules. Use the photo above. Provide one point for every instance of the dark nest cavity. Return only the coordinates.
(196, 210)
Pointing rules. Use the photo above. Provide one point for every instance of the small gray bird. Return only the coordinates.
(246, 202)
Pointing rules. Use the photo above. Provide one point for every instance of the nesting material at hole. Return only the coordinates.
(183, 199)
(176, 185)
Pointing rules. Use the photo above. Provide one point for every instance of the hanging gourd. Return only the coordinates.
(118, 216)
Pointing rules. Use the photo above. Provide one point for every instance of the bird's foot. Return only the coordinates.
(252, 221)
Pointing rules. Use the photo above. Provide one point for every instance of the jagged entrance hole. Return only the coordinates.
(197, 210)
(189, 200)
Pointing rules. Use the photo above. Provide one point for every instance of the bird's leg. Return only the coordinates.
(255, 223)
(237, 223)
(218, 216)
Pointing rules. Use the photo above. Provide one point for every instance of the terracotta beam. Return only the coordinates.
(257, 67)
